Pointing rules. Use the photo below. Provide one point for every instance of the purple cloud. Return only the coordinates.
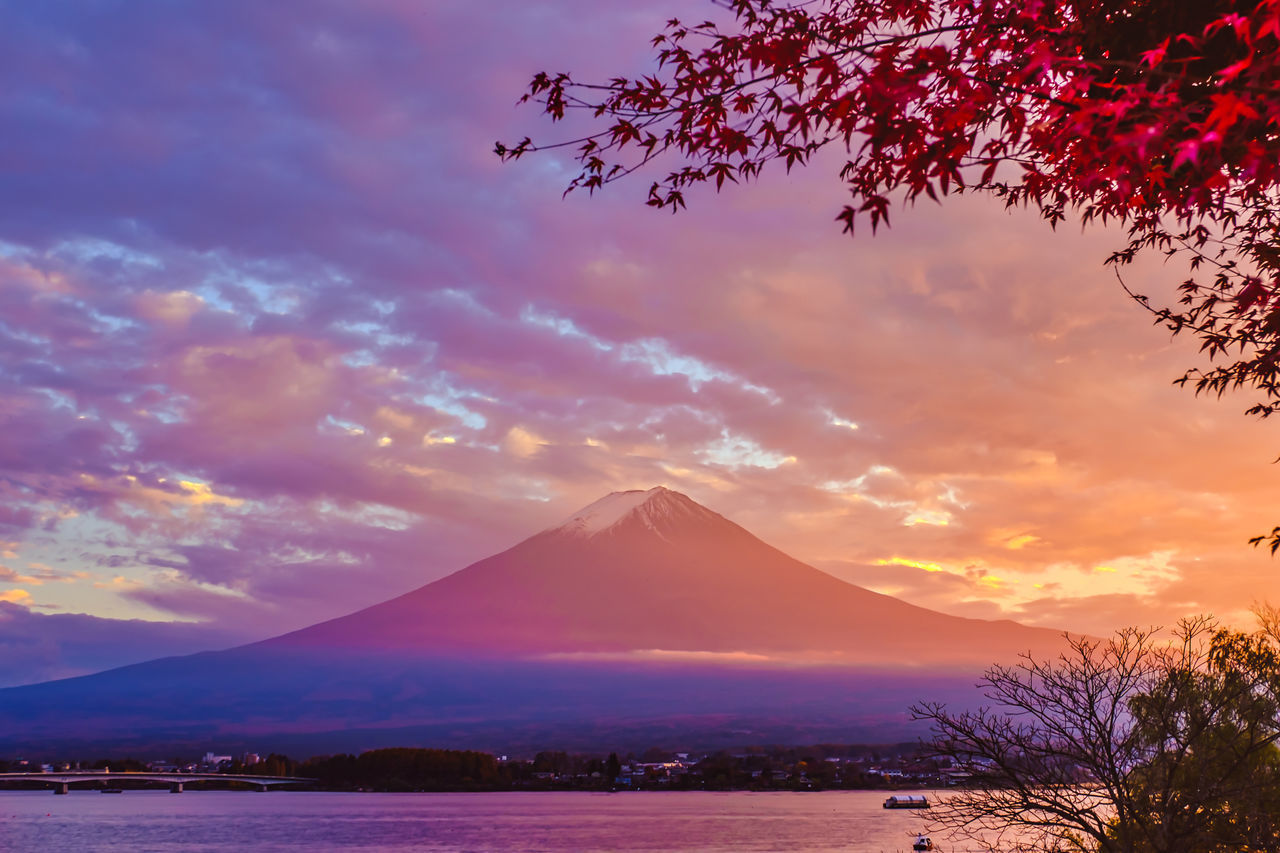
(279, 337)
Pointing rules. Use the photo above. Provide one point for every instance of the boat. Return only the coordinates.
(922, 842)
(112, 790)
(907, 801)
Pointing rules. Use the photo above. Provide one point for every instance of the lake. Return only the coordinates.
(160, 822)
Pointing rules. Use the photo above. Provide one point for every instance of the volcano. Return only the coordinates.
(644, 618)
(653, 573)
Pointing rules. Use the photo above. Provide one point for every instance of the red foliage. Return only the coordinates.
(1102, 105)
(1162, 115)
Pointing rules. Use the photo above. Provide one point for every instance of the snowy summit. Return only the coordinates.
(651, 506)
(607, 511)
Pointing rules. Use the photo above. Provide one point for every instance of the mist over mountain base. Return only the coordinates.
(310, 704)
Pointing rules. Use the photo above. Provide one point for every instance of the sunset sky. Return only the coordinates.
(281, 338)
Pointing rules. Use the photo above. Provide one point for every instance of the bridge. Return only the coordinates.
(62, 781)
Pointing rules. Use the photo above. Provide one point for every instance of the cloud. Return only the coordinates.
(280, 338)
(39, 574)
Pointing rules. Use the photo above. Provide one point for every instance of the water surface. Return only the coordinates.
(557, 822)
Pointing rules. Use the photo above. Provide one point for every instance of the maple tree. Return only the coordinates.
(1160, 115)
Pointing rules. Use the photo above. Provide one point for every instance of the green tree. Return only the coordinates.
(1212, 781)
(406, 769)
(720, 771)
(1130, 745)
(556, 762)
(276, 765)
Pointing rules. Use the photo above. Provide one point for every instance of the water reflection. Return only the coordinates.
(632, 822)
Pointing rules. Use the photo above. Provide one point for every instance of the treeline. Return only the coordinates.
(816, 767)
(404, 769)
(760, 768)
(407, 769)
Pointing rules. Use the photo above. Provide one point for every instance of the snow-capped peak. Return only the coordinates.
(651, 505)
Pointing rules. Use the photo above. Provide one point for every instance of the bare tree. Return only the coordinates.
(1137, 744)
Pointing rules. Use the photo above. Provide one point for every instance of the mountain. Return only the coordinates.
(651, 573)
(645, 618)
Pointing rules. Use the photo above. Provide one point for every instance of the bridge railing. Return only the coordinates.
(62, 780)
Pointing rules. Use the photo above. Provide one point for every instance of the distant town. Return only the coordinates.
(814, 768)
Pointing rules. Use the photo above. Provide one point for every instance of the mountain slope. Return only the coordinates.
(653, 570)
(645, 618)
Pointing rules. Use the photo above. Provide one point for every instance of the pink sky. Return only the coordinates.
(280, 338)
